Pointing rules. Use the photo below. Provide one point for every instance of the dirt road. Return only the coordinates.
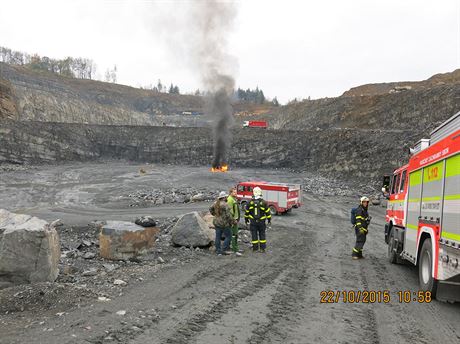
(260, 298)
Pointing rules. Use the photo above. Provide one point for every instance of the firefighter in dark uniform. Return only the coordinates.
(257, 212)
(362, 220)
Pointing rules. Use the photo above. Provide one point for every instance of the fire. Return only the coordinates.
(223, 168)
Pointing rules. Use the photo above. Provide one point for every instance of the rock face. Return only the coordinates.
(62, 119)
(121, 240)
(7, 104)
(29, 249)
(325, 151)
(374, 107)
(49, 97)
(192, 230)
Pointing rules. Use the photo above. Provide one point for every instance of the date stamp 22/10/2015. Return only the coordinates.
(374, 296)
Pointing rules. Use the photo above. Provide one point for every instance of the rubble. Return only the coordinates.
(6, 167)
(330, 186)
(168, 196)
(121, 240)
(29, 249)
(192, 231)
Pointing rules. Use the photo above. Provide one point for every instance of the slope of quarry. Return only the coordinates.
(47, 97)
(416, 106)
(87, 120)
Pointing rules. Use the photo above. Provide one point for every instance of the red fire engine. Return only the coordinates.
(281, 197)
(423, 213)
(255, 124)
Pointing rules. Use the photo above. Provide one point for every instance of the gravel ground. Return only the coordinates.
(192, 296)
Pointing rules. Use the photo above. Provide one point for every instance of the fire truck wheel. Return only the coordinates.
(425, 275)
(273, 210)
(392, 256)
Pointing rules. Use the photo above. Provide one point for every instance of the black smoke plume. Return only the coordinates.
(216, 66)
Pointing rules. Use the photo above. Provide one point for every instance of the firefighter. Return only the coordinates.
(232, 202)
(257, 212)
(223, 222)
(362, 220)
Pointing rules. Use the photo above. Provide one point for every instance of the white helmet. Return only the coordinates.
(223, 194)
(257, 191)
(364, 199)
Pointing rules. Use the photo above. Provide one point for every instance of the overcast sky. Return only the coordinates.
(287, 48)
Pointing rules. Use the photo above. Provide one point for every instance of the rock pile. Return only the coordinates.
(167, 196)
(328, 186)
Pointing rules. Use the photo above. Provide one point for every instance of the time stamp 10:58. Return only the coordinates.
(374, 296)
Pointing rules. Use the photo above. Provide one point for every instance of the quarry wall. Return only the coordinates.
(331, 152)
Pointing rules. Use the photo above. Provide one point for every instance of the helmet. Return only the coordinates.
(222, 194)
(364, 199)
(257, 191)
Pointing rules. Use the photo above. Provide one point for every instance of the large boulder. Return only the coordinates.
(192, 230)
(208, 218)
(29, 249)
(121, 240)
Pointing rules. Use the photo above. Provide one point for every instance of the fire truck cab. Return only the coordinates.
(281, 197)
(423, 211)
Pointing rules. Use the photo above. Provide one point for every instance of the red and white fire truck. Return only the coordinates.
(281, 197)
(255, 124)
(423, 213)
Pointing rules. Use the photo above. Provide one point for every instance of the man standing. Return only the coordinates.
(257, 211)
(232, 203)
(222, 222)
(362, 220)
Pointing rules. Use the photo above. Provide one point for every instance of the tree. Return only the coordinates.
(173, 89)
(107, 75)
(71, 67)
(65, 67)
(113, 74)
(260, 97)
(275, 102)
(253, 96)
(160, 86)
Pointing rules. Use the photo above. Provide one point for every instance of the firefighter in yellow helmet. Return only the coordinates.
(361, 223)
(257, 212)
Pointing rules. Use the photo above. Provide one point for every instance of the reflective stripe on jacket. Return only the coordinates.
(257, 210)
(361, 219)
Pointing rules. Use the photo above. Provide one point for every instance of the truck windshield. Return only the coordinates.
(395, 184)
(403, 181)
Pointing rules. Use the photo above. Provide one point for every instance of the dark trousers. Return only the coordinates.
(360, 240)
(227, 234)
(259, 239)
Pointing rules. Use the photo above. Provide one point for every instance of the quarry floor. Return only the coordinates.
(257, 298)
